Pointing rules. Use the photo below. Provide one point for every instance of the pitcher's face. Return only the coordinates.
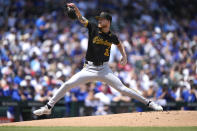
(102, 23)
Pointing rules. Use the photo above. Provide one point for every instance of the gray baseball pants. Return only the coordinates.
(91, 73)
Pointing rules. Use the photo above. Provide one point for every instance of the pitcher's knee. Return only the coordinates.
(126, 91)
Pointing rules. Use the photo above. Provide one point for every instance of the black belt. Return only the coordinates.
(95, 63)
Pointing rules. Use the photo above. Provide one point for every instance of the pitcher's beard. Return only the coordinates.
(104, 26)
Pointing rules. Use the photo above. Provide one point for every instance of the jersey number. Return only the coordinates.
(106, 52)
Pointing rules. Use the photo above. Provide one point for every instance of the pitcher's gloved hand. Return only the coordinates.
(70, 12)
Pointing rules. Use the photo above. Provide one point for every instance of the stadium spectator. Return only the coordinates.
(193, 27)
(42, 26)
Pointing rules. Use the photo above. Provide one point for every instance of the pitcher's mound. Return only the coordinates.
(169, 118)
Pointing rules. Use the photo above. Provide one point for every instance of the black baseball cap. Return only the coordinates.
(104, 15)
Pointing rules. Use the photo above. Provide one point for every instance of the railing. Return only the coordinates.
(63, 109)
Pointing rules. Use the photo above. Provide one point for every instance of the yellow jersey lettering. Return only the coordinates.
(98, 40)
(107, 51)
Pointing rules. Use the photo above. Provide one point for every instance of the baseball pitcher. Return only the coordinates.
(96, 62)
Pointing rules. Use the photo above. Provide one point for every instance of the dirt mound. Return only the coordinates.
(169, 118)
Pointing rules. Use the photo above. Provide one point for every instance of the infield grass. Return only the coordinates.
(13, 128)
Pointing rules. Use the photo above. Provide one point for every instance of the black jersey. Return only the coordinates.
(99, 44)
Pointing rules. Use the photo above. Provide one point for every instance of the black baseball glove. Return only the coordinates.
(70, 12)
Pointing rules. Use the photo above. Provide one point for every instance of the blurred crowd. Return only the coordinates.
(40, 48)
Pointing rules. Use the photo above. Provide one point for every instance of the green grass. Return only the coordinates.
(12, 128)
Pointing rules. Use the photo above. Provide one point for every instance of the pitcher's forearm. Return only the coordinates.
(122, 50)
(82, 19)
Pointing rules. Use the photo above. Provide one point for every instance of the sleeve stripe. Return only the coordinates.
(86, 24)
